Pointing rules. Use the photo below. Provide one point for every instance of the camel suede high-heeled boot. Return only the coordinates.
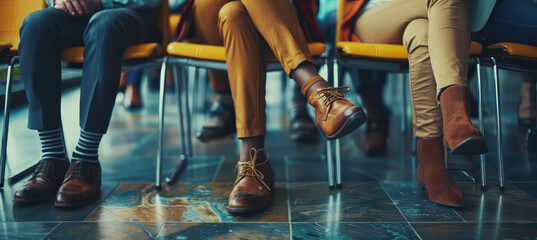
(460, 136)
(433, 177)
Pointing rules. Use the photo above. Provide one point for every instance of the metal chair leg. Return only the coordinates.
(481, 122)
(330, 164)
(468, 176)
(181, 130)
(337, 82)
(161, 113)
(195, 96)
(338, 164)
(5, 130)
(404, 116)
(180, 111)
(188, 118)
(498, 125)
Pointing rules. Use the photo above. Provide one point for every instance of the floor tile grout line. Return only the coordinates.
(161, 229)
(464, 220)
(104, 199)
(391, 199)
(52, 230)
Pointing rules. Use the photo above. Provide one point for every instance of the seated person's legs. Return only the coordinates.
(245, 32)
(370, 88)
(437, 38)
(221, 119)
(43, 34)
(105, 35)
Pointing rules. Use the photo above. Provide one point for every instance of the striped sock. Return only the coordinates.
(87, 148)
(52, 144)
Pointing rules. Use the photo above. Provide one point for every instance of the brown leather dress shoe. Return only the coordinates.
(335, 115)
(252, 189)
(44, 183)
(302, 129)
(81, 185)
(459, 133)
(433, 177)
(376, 135)
(132, 99)
(223, 113)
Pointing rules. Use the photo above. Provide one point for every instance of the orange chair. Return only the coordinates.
(147, 55)
(376, 57)
(508, 56)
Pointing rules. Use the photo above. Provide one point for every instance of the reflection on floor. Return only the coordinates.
(379, 199)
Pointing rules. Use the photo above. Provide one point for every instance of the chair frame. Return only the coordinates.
(182, 98)
(496, 61)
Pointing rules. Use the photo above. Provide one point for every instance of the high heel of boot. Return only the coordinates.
(457, 161)
(470, 146)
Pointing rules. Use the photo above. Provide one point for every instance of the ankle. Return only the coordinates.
(226, 99)
(318, 85)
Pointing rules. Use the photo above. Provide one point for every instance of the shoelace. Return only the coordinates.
(39, 170)
(331, 95)
(75, 171)
(249, 168)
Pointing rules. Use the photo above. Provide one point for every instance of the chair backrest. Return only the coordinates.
(339, 19)
(12, 14)
(163, 21)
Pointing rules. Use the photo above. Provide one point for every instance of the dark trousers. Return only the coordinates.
(105, 36)
(511, 21)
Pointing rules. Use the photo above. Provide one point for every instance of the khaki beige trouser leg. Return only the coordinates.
(437, 37)
(205, 14)
(250, 29)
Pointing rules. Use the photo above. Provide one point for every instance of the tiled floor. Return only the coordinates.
(379, 199)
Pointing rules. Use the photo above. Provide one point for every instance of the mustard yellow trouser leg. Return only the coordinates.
(441, 59)
(277, 22)
(246, 61)
(205, 14)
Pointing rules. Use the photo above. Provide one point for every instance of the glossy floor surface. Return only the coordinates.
(379, 198)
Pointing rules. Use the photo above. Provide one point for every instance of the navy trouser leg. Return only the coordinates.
(43, 34)
(108, 34)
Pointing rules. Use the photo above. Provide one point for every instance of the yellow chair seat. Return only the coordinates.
(386, 51)
(516, 50)
(5, 46)
(146, 50)
(218, 53)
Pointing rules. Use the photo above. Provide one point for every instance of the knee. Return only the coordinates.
(232, 13)
(416, 34)
(39, 23)
(106, 22)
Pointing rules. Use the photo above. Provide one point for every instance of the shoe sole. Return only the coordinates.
(25, 200)
(246, 210)
(423, 189)
(355, 121)
(78, 204)
(220, 137)
(470, 146)
(206, 140)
